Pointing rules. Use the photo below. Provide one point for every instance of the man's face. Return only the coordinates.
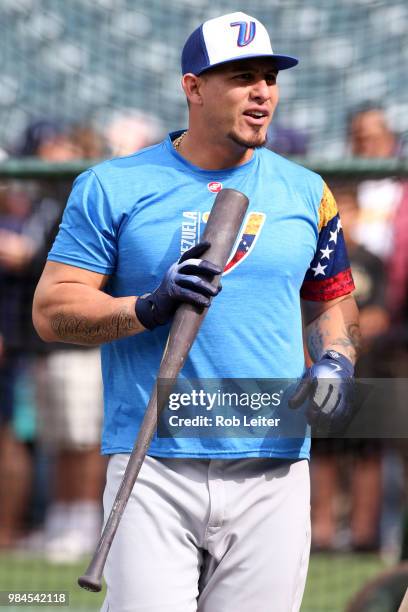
(238, 100)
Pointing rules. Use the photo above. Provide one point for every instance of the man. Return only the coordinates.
(380, 201)
(218, 523)
(68, 384)
(382, 228)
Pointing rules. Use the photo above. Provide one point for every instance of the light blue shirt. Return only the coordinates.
(131, 218)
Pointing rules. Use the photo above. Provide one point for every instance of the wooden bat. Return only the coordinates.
(221, 231)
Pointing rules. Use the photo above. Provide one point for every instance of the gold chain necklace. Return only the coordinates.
(177, 142)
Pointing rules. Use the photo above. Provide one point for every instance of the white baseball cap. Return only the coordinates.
(226, 39)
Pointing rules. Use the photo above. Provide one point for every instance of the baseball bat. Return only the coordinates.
(221, 231)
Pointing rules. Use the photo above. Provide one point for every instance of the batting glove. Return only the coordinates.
(187, 280)
(328, 387)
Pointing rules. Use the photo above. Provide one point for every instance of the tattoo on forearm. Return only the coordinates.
(320, 337)
(79, 329)
(351, 341)
(315, 344)
(317, 339)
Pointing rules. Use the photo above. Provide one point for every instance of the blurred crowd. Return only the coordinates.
(51, 472)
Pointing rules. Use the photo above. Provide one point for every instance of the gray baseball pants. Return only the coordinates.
(210, 536)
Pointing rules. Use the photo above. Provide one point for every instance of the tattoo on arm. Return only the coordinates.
(315, 344)
(316, 337)
(351, 341)
(320, 337)
(82, 331)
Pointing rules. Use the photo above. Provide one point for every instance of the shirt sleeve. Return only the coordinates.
(329, 275)
(87, 235)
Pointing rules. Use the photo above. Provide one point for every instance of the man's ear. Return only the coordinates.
(191, 85)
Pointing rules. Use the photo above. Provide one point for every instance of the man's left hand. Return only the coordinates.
(327, 386)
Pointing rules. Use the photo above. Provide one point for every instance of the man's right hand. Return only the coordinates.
(188, 281)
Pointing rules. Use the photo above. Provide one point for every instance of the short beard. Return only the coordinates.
(247, 144)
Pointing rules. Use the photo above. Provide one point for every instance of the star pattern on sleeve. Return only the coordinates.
(326, 252)
(328, 275)
(319, 269)
(333, 236)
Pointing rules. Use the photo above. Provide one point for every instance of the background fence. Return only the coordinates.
(81, 60)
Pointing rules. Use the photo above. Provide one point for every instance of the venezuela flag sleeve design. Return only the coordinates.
(329, 275)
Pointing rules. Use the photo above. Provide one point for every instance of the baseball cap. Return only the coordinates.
(226, 39)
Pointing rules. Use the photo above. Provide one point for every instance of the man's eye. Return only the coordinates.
(245, 76)
(270, 79)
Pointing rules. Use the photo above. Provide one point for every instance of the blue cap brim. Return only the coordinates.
(281, 62)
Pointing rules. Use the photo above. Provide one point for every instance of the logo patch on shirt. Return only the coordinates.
(214, 186)
(246, 240)
(193, 225)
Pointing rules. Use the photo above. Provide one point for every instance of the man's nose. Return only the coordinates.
(260, 91)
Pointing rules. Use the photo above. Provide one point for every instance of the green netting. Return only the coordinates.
(81, 59)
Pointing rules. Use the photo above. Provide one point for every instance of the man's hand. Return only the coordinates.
(188, 280)
(327, 386)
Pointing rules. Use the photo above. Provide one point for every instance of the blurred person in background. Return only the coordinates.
(380, 199)
(129, 131)
(16, 251)
(88, 142)
(68, 377)
(69, 386)
(68, 382)
(383, 229)
(362, 468)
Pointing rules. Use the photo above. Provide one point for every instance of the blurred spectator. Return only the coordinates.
(364, 455)
(383, 228)
(70, 405)
(369, 133)
(69, 388)
(129, 131)
(379, 199)
(47, 140)
(89, 143)
(16, 251)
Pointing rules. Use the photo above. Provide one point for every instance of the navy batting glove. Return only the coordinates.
(328, 387)
(188, 281)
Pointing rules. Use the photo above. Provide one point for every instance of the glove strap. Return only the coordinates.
(145, 312)
(343, 361)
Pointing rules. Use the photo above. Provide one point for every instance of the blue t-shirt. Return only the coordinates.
(132, 217)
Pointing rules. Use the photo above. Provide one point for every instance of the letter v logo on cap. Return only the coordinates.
(246, 32)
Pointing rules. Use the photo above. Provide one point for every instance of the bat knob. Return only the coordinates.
(90, 583)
